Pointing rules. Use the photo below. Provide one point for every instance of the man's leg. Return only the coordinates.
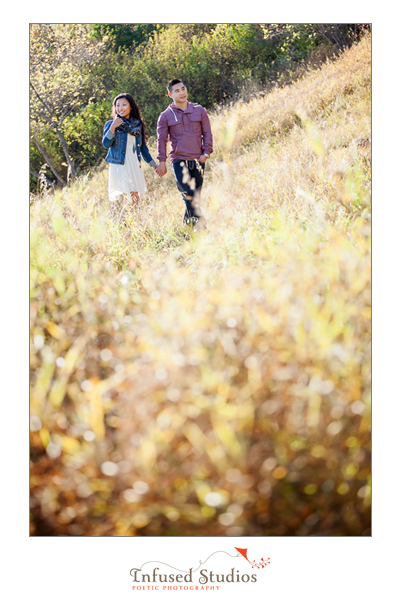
(189, 180)
(196, 171)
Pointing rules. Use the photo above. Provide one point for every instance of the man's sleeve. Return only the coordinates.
(162, 138)
(207, 146)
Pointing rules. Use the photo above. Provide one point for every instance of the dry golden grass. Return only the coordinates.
(214, 383)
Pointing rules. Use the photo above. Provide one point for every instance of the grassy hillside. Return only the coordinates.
(214, 383)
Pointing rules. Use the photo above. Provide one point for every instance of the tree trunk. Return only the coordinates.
(71, 167)
(48, 161)
(40, 175)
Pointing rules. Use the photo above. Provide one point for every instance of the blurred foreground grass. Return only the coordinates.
(213, 384)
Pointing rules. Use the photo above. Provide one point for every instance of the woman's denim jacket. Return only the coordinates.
(116, 146)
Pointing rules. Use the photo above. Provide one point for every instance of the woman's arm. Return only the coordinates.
(146, 155)
(109, 132)
(108, 136)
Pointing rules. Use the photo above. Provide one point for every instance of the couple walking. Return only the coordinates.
(184, 124)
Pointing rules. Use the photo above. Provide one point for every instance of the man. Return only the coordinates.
(187, 126)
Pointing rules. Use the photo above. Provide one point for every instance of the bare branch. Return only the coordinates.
(47, 160)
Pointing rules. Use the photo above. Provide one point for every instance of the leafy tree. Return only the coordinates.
(124, 35)
(297, 40)
(62, 79)
(341, 35)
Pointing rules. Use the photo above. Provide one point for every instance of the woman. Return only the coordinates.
(125, 139)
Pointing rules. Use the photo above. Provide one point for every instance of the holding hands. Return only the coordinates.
(161, 169)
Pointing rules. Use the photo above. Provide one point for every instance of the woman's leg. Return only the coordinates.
(135, 199)
(135, 203)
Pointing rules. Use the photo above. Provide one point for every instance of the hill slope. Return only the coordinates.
(216, 383)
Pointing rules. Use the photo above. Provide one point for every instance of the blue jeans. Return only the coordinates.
(189, 180)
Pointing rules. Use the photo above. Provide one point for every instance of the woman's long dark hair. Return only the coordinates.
(135, 111)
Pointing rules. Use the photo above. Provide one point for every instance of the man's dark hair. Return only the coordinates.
(172, 83)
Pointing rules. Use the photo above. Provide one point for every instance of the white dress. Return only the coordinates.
(128, 177)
